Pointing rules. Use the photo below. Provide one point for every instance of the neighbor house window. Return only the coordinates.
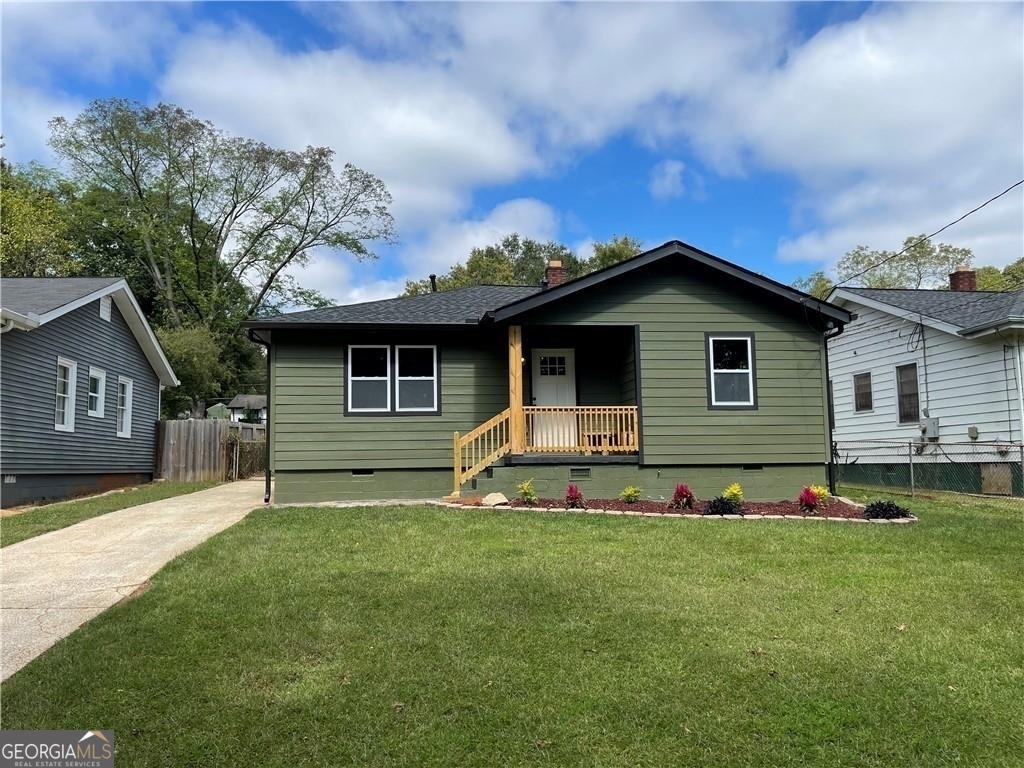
(731, 371)
(417, 378)
(862, 392)
(124, 407)
(369, 379)
(97, 391)
(64, 411)
(907, 400)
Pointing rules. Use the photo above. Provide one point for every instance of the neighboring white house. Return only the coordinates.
(936, 368)
(249, 407)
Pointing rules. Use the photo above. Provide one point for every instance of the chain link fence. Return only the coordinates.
(910, 466)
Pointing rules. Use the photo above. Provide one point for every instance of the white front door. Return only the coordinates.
(554, 383)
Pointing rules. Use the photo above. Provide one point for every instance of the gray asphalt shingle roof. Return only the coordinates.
(251, 402)
(39, 295)
(964, 309)
(463, 305)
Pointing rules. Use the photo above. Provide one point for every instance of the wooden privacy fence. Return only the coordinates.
(209, 449)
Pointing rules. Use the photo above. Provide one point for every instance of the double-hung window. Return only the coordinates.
(97, 391)
(417, 378)
(862, 398)
(732, 378)
(369, 379)
(907, 398)
(392, 379)
(124, 407)
(64, 408)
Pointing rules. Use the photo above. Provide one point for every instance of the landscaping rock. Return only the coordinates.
(494, 500)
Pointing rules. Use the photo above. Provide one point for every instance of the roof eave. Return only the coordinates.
(261, 325)
(23, 322)
(673, 247)
(839, 295)
(1009, 323)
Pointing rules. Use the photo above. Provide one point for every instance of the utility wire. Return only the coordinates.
(929, 237)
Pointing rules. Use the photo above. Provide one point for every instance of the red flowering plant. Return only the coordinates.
(813, 498)
(573, 497)
(683, 497)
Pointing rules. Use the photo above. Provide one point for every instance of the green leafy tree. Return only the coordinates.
(1014, 275)
(619, 248)
(817, 284)
(194, 353)
(923, 265)
(206, 214)
(518, 260)
(34, 228)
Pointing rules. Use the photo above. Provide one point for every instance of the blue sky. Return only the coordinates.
(778, 136)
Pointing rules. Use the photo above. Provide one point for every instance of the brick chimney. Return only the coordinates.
(554, 273)
(963, 278)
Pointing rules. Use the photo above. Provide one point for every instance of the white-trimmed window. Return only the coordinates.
(369, 379)
(908, 401)
(64, 409)
(731, 377)
(862, 394)
(105, 308)
(416, 373)
(97, 391)
(124, 407)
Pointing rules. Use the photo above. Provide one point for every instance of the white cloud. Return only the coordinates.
(452, 242)
(667, 180)
(343, 280)
(92, 39)
(889, 124)
(430, 141)
(24, 116)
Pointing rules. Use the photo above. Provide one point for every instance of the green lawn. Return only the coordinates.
(426, 636)
(25, 525)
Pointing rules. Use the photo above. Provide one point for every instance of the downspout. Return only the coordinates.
(1020, 385)
(266, 447)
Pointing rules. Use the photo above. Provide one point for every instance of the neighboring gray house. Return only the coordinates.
(252, 407)
(941, 370)
(80, 379)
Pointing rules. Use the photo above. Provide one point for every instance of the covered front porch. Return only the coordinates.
(572, 390)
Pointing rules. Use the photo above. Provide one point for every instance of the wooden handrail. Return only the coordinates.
(481, 447)
(585, 429)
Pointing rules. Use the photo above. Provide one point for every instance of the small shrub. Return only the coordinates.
(527, 492)
(574, 497)
(631, 494)
(721, 505)
(683, 497)
(885, 510)
(813, 498)
(733, 493)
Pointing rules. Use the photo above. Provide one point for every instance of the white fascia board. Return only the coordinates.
(843, 298)
(1009, 324)
(132, 314)
(20, 321)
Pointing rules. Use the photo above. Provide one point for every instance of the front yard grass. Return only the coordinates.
(33, 522)
(428, 636)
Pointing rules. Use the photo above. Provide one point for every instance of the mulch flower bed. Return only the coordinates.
(836, 509)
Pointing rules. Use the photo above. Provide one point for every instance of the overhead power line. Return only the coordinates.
(928, 237)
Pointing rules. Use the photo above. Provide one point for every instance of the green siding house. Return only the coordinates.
(674, 366)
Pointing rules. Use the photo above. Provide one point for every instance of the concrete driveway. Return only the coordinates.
(54, 583)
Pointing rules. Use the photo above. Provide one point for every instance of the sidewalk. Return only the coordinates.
(52, 584)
